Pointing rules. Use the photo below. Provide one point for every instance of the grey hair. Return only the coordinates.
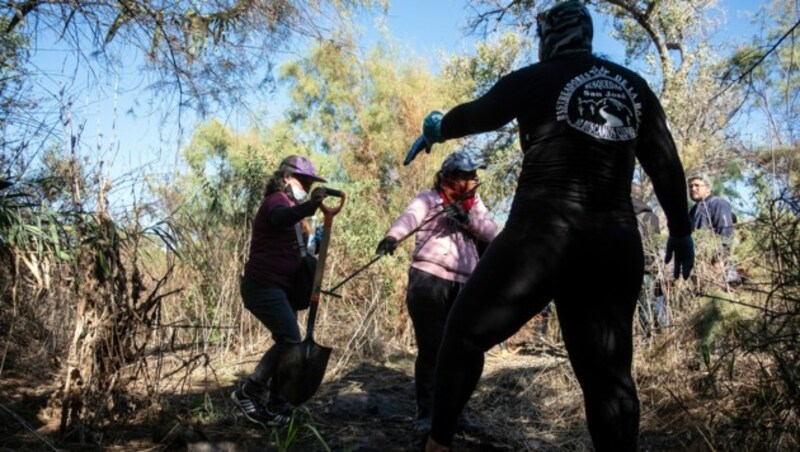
(702, 177)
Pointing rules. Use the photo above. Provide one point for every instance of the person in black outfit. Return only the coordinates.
(571, 234)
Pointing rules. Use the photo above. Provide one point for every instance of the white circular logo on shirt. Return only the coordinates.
(600, 104)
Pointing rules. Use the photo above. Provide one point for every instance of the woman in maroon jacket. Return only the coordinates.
(268, 278)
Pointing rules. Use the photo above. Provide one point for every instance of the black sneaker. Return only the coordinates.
(254, 411)
(277, 404)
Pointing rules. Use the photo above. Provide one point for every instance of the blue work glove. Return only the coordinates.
(683, 251)
(386, 246)
(431, 133)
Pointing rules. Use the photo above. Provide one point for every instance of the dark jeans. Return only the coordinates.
(271, 306)
(594, 275)
(429, 299)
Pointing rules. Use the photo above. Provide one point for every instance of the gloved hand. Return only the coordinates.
(419, 145)
(455, 211)
(317, 196)
(431, 133)
(386, 246)
(683, 251)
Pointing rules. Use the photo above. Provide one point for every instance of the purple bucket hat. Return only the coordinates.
(300, 166)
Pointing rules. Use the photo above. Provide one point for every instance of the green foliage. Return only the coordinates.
(719, 323)
(28, 229)
(286, 438)
(668, 41)
(13, 59)
(365, 113)
(204, 410)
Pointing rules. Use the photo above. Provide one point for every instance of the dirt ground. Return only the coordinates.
(371, 408)
(527, 399)
(368, 408)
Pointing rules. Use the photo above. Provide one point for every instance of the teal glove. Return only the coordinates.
(683, 251)
(431, 133)
(432, 127)
(420, 144)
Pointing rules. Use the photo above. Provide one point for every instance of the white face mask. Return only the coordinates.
(298, 193)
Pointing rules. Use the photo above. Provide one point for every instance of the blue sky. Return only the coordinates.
(119, 132)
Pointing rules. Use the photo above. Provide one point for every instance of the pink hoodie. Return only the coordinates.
(443, 247)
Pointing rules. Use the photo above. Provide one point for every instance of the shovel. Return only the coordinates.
(302, 366)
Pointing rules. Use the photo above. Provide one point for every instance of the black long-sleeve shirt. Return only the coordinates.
(582, 122)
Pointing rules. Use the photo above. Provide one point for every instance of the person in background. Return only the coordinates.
(716, 214)
(269, 275)
(571, 234)
(651, 297)
(709, 211)
(444, 256)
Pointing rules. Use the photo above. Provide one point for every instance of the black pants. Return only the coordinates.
(429, 299)
(593, 274)
(271, 306)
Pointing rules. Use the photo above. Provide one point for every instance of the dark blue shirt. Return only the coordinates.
(713, 213)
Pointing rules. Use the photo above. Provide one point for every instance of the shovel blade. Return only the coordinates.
(301, 369)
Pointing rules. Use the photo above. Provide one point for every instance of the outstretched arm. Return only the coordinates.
(413, 216)
(489, 112)
(499, 106)
(659, 158)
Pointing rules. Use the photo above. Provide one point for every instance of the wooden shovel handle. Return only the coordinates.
(330, 212)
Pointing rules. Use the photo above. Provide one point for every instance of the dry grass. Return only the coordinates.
(722, 376)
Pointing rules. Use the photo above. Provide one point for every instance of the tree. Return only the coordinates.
(208, 52)
(205, 54)
(767, 72)
(13, 77)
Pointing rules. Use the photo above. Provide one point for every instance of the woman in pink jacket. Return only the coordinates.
(445, 253)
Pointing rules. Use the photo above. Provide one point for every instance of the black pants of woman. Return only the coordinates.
(271, 306)
(429, 299)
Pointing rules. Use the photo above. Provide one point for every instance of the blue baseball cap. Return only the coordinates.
(462, 161)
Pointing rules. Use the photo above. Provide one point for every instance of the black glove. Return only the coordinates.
(318, 194)
(683, 251)
(386, 246)
(457, 212)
